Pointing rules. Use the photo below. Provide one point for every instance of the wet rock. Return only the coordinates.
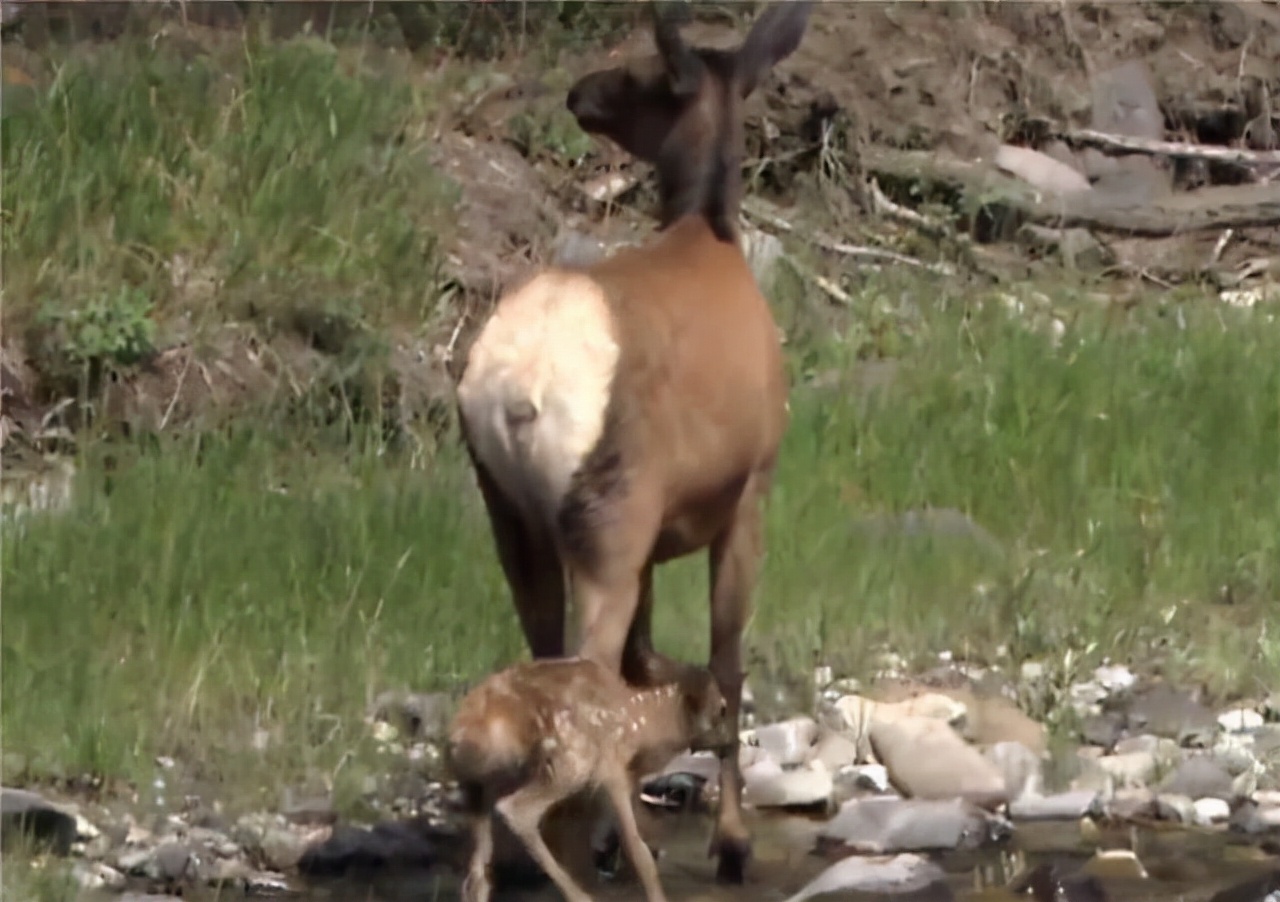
(1128, 804)
(1210, 811)
(1114, 864)
(1048, 883)
(927, 759)
(1020, 767)
(1263, 888)
(682, 791)
(703, 764)
(28, 814)
(1198, 776)
(354, 850)
(900, 874)
(766, 784)
(879, 826)
(788, 742)
(1064, 806)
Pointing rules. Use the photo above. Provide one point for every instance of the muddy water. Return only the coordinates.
(1183, 866)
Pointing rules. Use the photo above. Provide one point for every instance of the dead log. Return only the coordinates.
(1222, 207)
(1174, 149)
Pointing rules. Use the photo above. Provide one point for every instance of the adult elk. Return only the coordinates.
(628, 412)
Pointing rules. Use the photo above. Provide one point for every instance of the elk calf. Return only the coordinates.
(540, 731)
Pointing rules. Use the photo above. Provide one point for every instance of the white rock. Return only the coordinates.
(1114, 677)
(1032, 671)
(789, 742)
(1211, 811)
(94, 875)
(1240, 720)
(767, 785)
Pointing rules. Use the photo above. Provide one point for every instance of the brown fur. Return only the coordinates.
(541, 731)
(698, 401)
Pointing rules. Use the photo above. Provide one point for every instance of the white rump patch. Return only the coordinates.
(537, 385)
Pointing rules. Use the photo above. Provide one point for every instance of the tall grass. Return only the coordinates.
(278, 172)
(1122, 477)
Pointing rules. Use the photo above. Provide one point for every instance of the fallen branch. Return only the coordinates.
(1176, 149)
(756, 210)
(1220, 207)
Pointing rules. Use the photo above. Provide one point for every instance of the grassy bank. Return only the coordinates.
(1129, 478)
(236, 600)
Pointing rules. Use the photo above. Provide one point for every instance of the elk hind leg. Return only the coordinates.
(532, 570)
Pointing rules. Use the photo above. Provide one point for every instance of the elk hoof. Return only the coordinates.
(733, 854)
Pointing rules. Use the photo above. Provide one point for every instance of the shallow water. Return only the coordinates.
(1184, 865)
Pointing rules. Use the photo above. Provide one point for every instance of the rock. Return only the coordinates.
(1114, 678)
(1262, 888)
(1198, 776)
(171, 862)
(767, 785)
(355, 850)
(834, 750)
(1064, 806)
(1104, 730)
(94, 875)
(788, 742)
(856, 778)
(1114, 864)
(1270, 707)
(1130, 770)
(415, 715)
(1210, 811)
(1173, 713)
(1048, 883)
(281, 848)
(308, 811)
(905, 873)
(24, 813)
(1253, 819)
(702, 764)
(1174, 807)
(762, 251)
(574, 249)
(1128, 804)
(1086, 698)
(682, 791)
(1164, 749)
(1240, 720)
(927, 759)
(880, 826)
(1040, 171)
(133, 860)
(1021, 768)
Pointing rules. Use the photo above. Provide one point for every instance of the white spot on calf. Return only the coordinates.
(550, 345)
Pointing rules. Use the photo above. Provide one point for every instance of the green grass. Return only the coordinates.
(282, 173)
(1126, 474)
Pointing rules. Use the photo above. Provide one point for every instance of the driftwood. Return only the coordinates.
(1175, 149)
(1222, 207)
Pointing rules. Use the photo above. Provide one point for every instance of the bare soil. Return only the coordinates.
(946, 83)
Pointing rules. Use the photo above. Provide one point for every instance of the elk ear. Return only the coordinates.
(773, 37)
(684, 67)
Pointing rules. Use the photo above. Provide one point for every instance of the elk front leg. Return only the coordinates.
(618, 785)
(735, 558)
(641, 665)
